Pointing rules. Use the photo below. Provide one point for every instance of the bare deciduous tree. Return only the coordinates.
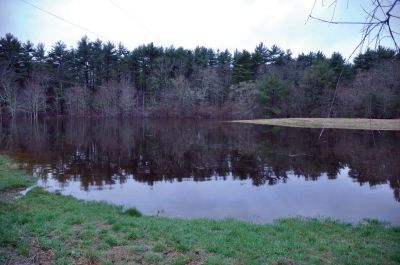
(32, 100)
(243, 98)
(208, 81)
(105, 100)
(77, 101)
(126, 98)
(182, 95)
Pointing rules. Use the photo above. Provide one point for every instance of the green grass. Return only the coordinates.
(333, 123)
(11, 177)
(63, 230)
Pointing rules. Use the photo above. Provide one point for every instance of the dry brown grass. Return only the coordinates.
(334, 123)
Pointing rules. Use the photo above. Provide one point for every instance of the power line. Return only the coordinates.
(135, 20)
(64, 20)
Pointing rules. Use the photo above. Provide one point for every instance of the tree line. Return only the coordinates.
(98, 78)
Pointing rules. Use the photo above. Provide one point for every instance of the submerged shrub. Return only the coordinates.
(133, 212)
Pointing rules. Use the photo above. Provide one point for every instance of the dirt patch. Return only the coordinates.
(40, 255)
(104, 226)
(8, 256)
(88, 260)
(10, 195)
(36, 256)
(77, 228)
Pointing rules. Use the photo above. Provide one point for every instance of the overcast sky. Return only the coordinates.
(231, 24)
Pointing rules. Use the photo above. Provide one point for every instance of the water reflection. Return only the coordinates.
(101, 153)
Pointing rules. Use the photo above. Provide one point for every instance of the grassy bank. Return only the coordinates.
(334, 123)
(10, 176)
(44, 227)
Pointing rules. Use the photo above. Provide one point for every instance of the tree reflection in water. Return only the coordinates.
(101, 152)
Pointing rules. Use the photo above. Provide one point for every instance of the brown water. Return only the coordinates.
(213, 169)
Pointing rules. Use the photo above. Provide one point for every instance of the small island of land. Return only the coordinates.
(332, 123)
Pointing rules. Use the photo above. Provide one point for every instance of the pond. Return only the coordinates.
(211, 169)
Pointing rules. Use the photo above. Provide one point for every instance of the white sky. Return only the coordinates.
(240, 24)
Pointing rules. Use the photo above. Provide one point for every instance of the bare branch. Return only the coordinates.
(378, 20)
(343, 22)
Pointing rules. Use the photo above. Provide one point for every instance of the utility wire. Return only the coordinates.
(64, 20)
(135, 20)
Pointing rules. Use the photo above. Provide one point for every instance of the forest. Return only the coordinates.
(98, 78)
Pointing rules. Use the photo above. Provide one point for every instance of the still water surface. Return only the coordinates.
(212, 169)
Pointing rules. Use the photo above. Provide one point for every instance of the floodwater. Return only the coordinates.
(195, 169)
